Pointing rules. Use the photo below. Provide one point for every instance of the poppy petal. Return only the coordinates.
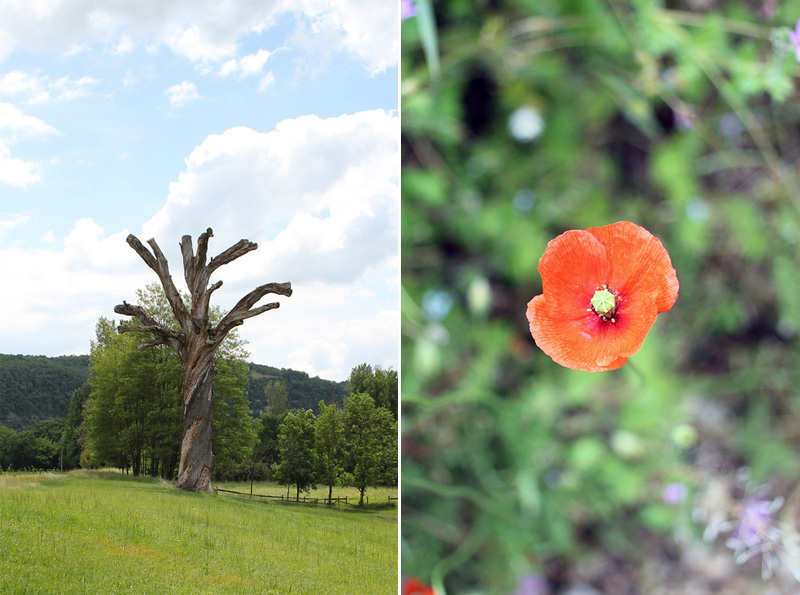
(561, 342)
(639, 263)
(589, 343)
(414, 586)
(573, 266)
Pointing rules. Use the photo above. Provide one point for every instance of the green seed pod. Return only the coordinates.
(604, 302)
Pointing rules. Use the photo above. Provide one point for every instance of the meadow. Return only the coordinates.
(105, 532)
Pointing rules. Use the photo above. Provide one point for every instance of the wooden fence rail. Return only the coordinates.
(283, 498)
(305, 499)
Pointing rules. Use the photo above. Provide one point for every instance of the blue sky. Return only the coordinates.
(271, 121)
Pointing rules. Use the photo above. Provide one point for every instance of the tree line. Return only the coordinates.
(355, 445)
(37, 387)
(128, 415)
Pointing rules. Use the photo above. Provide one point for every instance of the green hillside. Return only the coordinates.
(305, 392)
(38, 387)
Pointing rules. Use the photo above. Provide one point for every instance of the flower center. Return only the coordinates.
(604, 303)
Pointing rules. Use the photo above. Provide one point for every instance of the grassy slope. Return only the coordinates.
(102, 532)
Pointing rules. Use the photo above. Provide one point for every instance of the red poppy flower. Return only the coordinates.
(601, 291)
(414, 586)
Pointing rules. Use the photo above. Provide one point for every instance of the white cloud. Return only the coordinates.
(17, 82)
(14, 120)
(14, 123)
(196, 43)
(252, 64)
(368, 30)
(67, 287)
(40, 89)
(66, 89)
(266, 81)
(9, 221)
(206, 33)
(182, 93)
(15, 171)
(246, 66)
(125, 45)
(320, 195)
(332, 350)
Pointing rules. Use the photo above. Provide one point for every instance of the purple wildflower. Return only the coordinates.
(757, 532)
(674, 493)
(531, 584)
(407, 9)
(795, 37)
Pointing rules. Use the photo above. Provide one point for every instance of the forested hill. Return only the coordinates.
(39, 386)
(304, 392)
(35, 386)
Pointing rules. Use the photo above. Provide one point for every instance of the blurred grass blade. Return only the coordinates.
(426, 21)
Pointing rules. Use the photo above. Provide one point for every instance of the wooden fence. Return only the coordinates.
(304, 499)
(283, 498)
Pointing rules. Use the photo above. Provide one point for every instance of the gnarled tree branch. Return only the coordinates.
(244, 308)
(160, 266)
(240, 248)
(163, 335)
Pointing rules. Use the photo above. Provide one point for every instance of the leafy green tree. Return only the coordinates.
(277, 397)
(26, 450)
(385, 389)
(329, 444)
(361, 379)
(54, 431)
(103, 421)
(164, 416)
(371, 438)
(132, 419)
(7, 436)
(387, 438)
(72, 434)
(268, 443)
(297, 463)
(378, 383)
(234, 435)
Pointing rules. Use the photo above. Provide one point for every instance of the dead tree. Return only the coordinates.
(197, 340)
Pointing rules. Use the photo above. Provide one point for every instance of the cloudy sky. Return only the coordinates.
(271, 120)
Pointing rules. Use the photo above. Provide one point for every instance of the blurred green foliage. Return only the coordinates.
(547, 115)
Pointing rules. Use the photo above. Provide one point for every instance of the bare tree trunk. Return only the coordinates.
(197, 341)
(197, 460)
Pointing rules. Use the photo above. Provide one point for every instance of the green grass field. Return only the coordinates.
(100, 532)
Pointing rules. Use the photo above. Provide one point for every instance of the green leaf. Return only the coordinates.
(426, 22)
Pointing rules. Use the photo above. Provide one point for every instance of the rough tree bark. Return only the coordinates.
(197, 340)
